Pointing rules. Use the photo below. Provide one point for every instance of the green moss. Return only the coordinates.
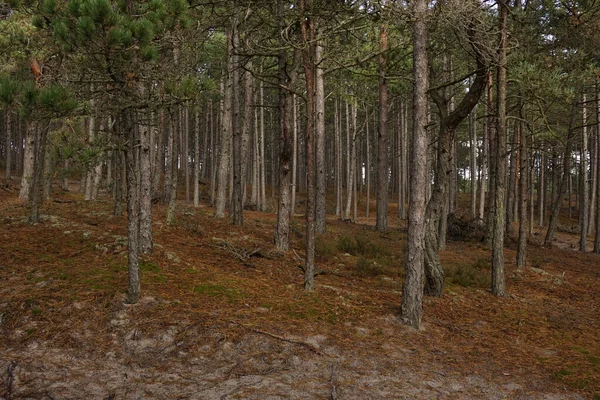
(220, 291)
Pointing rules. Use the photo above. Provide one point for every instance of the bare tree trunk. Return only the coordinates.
(594, 166)
(263, 161)
(185, 153)
(473, 161)
(8, 146)
(382, 149)
(170, 153)
(133, 210)
(542, 187)
(282, 234)
(307, 29)
(498, 281)
(28, 159)
(523, 173)
(484, 169)
(47, 175)
(412, 289)
(247, 124)
(368, 164)
(294, 156)
(338, 159)
(38, 171)
(352, 163)
(320, 203)
(197, 155)
(597, 233)
(226, 131)
(237, 210)
(145, 237)
(583, 209)
(174, 166)
(561, 186)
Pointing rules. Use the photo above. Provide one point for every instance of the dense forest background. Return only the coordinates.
(445, 120)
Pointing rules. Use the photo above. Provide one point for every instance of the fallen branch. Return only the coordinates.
(333, 393)
(282, 338)
(63, 201)
(10, 372)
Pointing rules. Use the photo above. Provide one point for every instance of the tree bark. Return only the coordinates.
(498, 281)
(282, 234)
(561, 185)
(307, 29)
(412, 289)
(382, 142)
(226, 131)
(237, 209)
(28, 159)
(320, 203)
(38, 171)
(145, 238)
(133, 215)
(7, 147)
(584, 202)
(523, 174)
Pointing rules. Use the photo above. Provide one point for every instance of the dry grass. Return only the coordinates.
(62, 282)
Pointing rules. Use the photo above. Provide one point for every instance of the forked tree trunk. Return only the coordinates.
(560, 186)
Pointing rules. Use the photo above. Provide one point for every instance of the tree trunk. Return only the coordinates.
(320, 202)
(294, 156)
(8, 146)
(307, 29)
(38, 171)
(145, 238)
(226, 131)
(382, 149)
(133, 214)
(523, 174)
(282, 234)
(237, 210)
(197, 155)
(412, 289)
(174, 167)
(561, 187)
(583, 208)
(28, 159)
(498, 282)
(473, 161)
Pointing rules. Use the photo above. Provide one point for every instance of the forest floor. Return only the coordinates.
(224, 315)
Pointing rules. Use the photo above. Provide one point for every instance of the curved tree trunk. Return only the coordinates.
(562, 185)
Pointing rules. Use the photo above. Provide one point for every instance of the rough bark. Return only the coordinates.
(197, 155)
(560, 185)
(145, 238)
(436, 207)
(226, 131)
(7, 147)
(38, 171)
(321, 209)
(498, 281)
(133, 215)
(523, 220)
(174, 167)
(584, 201)
(382, 142)
(28, 159)
(412, 289)
(308, 55)
(282, 232)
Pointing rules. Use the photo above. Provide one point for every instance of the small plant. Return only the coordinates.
(149, 266)
(325, 247)
(368, 268)
(467, 275)
(360, 246)
(216, 290)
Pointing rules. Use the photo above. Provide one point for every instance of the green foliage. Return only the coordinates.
(368, 268)
(469, 275)
(360, 246)
(9, 88)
